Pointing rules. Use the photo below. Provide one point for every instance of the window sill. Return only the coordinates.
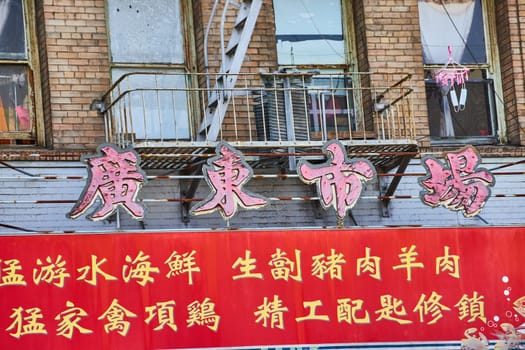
(35, 153)
(456, 141)
(500, 151)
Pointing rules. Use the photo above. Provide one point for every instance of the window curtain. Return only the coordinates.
(445, 24)
(4, 14)
(12, 40)
(442, 25)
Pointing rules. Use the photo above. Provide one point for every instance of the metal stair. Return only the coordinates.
(232, 59)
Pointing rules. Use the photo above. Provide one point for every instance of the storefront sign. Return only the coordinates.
(115, 178)
(460, 185)
(259, 288)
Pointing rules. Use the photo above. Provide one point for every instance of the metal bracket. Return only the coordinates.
(187, 188)
(386, 191)
(383, 205)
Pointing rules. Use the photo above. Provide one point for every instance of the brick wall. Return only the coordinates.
(261, 53)
(393, 46)
(76, 71)
(512, 50)
(44, 136)
(75, 65)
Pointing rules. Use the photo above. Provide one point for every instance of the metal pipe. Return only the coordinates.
(206, 34)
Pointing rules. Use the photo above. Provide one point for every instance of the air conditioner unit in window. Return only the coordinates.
(281, 109)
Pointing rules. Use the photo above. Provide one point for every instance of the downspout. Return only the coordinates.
(206, 34)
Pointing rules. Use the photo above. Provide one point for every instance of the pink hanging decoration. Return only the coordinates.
(453, 73)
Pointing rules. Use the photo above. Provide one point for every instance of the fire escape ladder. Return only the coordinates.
(232, 59)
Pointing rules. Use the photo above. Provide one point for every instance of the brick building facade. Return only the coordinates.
(73, 58)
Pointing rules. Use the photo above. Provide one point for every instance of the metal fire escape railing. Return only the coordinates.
(264, 110)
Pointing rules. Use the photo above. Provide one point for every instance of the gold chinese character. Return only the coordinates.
(272, 311)
(247, 266)
(312, 305)
(180, 264)
(203, 314)
(139, 268)
(448, 263)
(53, 272)
(331, 265)
(283, 267)
(430, 307)
(408, 260)
(369, 264)
(69, 321)
(392, 307)
(347, 310)
(472, 308)
(10, 275)
(95, 270)
(116, 317)
(164, 313)
(28, 324)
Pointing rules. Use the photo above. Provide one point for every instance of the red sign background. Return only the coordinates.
(489, 265)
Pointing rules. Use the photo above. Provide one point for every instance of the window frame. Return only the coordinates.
(346, 70)
(349, 44)
(189, 52)
(36, 135)
(492, 72)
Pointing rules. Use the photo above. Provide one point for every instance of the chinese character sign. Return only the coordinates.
(226, 174)
(459, 185)
(339, 180)
(264, 288)
(115, 178)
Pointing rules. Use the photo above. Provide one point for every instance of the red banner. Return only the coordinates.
(247, 288)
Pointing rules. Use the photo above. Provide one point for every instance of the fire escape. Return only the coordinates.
(273, 118)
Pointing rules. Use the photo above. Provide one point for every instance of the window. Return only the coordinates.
(16, 112)
(310, 36)
(309, 32)
(455, 34)
(148, 60)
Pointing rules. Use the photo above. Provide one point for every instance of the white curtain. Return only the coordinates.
(446, 124)
(438, 30)
(5, 7)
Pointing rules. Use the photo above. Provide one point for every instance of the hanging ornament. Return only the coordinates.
(452, 75)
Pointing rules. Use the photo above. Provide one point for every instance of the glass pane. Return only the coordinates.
(331, 107)
(14, 99)
(309, 32)
(146, 31)
(451, 120)
(151, 106)
(12, 35)
(455, 23)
